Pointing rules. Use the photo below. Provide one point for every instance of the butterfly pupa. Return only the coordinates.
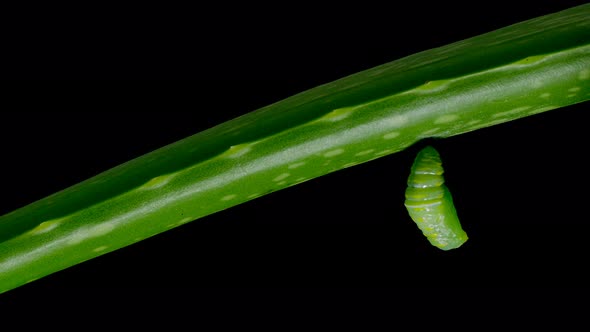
(430, 204)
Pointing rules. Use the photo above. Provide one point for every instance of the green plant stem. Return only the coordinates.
(521, 70)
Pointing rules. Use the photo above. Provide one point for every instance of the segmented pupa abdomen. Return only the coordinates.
(430, 204)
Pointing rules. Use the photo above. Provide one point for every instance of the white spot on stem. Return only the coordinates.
(365, 152)
(228, 197)
(185, 220)
(511, 112)
(337, 114)
(157, 182)
(391, 135)
(296, 165)
(281, 177)
(90, 232)
(239, 150)
(349, 165)
(46, 226)
(333, 153)
(430, 132)
(446, 118)
(99, 249)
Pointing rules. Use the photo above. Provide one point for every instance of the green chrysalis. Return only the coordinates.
(430, 204)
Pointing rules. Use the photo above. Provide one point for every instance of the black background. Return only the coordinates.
(112, 87)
